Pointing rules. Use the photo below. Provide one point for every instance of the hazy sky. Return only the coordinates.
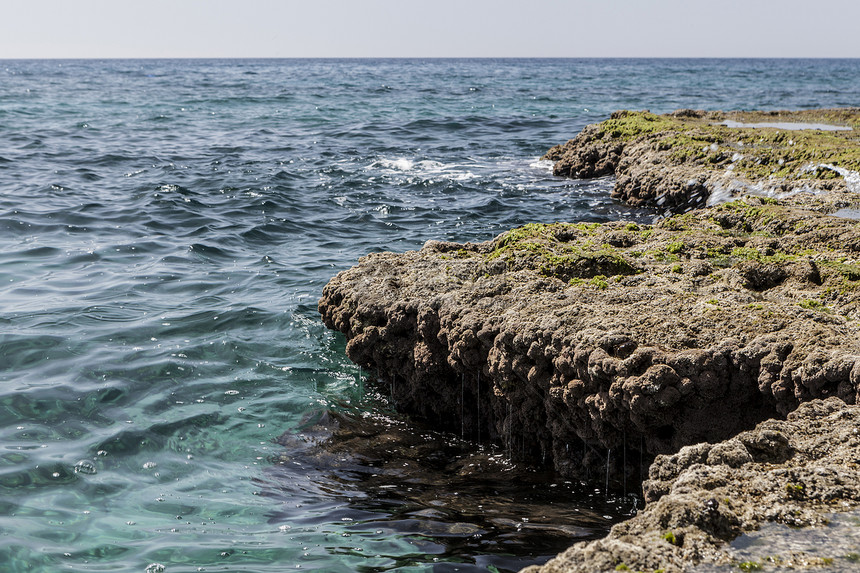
(437, 28)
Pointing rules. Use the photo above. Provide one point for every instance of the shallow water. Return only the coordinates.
(790, 126)
(166, 228)
(834, 547)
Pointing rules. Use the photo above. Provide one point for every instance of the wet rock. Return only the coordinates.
(802, 470)
(719, 326)
(593, 347)
(413, 481)
(683, 160)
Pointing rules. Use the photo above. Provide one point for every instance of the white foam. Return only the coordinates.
(724, 192)
(399, 164)
(424, 170)
(542, 164)
(852, 178)
(719, 196)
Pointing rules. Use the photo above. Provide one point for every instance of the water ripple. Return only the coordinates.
(166, 228)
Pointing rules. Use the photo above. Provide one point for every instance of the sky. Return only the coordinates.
(428, 28)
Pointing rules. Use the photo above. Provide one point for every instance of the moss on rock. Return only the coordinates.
(678, 160)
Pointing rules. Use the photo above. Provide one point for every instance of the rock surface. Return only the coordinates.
(793, 471)
(569, 340)
(682, 160)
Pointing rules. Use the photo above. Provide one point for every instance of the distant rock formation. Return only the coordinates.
(682, 160)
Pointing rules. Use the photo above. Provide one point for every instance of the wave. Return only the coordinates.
(728, 190)
(424, 170)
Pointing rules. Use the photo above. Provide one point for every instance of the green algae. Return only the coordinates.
(754, 254)
(563, 251)
(675, 247)
(599, 282)
(670, 538)
(627, 125)
(811, 304)
(756, 152)
(795, 490)
(851, 272)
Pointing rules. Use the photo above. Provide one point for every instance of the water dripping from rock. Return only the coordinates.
(469, 501)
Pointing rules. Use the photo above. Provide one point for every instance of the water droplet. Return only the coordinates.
(154, 568)
(85, 467)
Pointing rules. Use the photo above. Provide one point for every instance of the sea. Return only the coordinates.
(169, 397)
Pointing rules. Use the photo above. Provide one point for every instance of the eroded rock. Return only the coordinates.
(794, 471)
(686, 159)
(581, 345)
(561, 346)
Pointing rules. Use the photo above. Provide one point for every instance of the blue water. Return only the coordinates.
(166, 228)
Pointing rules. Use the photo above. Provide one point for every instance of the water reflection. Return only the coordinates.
(462, 507)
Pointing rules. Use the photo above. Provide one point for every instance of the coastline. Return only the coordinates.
(568, 342)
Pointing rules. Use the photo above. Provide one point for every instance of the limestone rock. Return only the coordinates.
(686, 159)
(697, 501)
(564, 341)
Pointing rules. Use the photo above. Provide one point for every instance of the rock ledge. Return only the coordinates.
(793, 472)
(595, 346)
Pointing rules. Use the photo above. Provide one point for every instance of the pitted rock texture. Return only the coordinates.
(682, 160)
(793, 471)
(564, 341)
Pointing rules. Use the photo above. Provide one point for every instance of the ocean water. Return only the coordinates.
(166, 228)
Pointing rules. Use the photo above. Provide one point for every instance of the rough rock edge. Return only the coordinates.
(702, 524)
(570, 340)
(793, 472)
(686, 159)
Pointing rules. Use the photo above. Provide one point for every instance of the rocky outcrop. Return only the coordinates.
(566, 341)
(794, 472)
(595, 347)
(682, 160)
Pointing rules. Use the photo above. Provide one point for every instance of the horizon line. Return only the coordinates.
(97, 58)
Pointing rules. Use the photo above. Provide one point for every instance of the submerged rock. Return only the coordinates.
(457, 501)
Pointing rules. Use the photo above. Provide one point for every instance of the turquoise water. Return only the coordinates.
(166, 228)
